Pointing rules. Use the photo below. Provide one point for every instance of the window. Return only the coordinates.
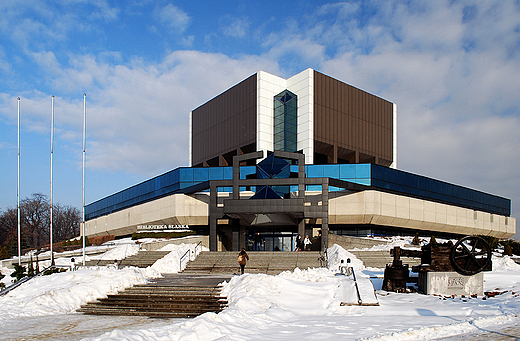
(285, 121)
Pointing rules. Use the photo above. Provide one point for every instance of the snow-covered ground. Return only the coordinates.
(303, 304)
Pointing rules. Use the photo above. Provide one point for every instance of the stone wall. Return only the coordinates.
(352, 242)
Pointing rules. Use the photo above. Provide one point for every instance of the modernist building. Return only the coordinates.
(307, 155)
(325, 119)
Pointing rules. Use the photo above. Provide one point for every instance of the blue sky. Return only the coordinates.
(452, 68)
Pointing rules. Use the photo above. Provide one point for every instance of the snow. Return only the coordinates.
(66, 292)
(171, 262)
(302, 304)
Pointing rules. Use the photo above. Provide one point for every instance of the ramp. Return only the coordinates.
(365, 293)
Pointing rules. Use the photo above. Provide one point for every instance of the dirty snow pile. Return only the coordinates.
(171, 263)
(125, 248)
(66, 292)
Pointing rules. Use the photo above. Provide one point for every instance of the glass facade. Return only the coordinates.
(377, 177)
(285, 121)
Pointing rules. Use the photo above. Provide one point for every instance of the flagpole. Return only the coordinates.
(52, 143)
(18, 191)
(84, 142)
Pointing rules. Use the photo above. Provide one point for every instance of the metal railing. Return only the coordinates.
(188, 253)
(324, 258)
(23, 280)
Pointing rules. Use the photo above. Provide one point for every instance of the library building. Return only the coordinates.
(276, 159)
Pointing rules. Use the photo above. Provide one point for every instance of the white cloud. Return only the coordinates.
(458, 105)
(137, 115)
(233, 26)
(104, 11)
(173, 17)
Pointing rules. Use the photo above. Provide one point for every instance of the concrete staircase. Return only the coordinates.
(271, 263)
(196, 290)
(173, 296)
(379, 259)
(142, 259)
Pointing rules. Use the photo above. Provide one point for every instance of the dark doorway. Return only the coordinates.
(272, 238)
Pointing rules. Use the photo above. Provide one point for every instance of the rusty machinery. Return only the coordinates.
(469, 256)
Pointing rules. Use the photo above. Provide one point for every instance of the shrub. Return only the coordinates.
(507, 250)
(4, 252)
(53, 271)
(492, 241)
(30, 268)
(19, 272)
(99, 240)
(137, 235)
(513, 245)
(416, 240)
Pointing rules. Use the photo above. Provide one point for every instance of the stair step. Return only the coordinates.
(142, 259)
(165, 314)
(171, 296)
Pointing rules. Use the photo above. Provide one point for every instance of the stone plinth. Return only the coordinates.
(451, 283)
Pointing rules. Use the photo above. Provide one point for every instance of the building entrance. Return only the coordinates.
(271, 239)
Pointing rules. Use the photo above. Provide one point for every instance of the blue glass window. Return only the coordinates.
(285, 121)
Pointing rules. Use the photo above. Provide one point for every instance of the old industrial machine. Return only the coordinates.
(445, 268)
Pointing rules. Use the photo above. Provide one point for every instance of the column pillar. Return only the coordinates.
(301, 228)
(236, 234)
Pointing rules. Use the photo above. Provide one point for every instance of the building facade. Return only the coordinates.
(327, 120)
(308, 155)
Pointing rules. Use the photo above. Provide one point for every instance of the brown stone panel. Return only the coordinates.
(225, 123)
(352, 119)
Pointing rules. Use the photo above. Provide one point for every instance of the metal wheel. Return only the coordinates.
(470, 255)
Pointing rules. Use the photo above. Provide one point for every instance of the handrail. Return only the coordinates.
(22, 281)
(107, 244)
(199, 243)
(324, 258)
(187, 253)
(357, 288)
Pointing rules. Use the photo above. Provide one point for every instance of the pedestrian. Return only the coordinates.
(242, 260)
(307, 243)
(259, 242)
(299, 243)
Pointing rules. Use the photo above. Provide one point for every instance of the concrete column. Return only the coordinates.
(242, 237)
(325, 215)
(236, 234)
(213, 234)
(213, 217)
(324, 234)
(301, 228)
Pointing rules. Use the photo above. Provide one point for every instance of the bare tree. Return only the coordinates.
(66, 222)
(9, 231)
(35, 213)
(35, 223)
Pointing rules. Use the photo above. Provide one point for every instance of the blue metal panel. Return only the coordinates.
(331, 171)
(365, 174)
(186, 174)
(363, 171)
(315, 171)
(347, 171)
(216, 173)
(200, 174)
